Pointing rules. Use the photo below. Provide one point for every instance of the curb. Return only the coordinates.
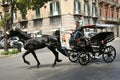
(116, 39)
(11, 55)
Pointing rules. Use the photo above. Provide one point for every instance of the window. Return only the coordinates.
(112, 12)
(106, 13)
(54, 8)
(55, 21)
(117, 14)
(86, 9)
(37, 9)
(87, 20)
(76, 7)
(38, 23)
(100, 11)
(24, 24)
(94, 11)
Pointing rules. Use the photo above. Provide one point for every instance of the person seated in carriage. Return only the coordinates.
(79, 32)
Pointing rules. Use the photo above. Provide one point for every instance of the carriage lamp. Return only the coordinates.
(103, 42)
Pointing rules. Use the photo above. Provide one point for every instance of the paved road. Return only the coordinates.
(13, 68)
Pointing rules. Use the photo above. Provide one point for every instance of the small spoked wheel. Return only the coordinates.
(83, 58)
(109, 54)
(73, 56)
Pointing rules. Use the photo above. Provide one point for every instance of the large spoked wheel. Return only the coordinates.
(83, 58)
(109, 54)
(73, 56)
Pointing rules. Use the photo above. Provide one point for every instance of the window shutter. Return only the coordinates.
(74, 6)
(37, 11)
(79, 7)
(96, 11)
(51, 9)
(92, 10)
(84, 9)
(58, 7)
(88, 9)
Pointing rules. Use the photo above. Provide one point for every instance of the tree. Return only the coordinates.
(4, 22)
(24, 5)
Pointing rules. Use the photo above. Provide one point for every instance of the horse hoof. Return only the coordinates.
(59, 60)
(53, 65)
(27, 62)
(38, 66)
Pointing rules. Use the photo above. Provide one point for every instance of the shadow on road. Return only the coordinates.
(46, 66)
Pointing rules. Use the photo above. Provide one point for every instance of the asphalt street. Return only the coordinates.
(13, 68)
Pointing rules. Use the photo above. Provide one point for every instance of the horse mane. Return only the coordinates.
(23, 34)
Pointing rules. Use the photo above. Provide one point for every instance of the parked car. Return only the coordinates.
(12, 42)
(89, 34)
(35, 34)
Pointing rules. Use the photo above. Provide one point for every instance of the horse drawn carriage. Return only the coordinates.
(83, 49)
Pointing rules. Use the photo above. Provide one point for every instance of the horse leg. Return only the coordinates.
(56, 55)
(33, 53)
(26, 53)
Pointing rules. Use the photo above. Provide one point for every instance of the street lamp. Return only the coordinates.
(94, 21)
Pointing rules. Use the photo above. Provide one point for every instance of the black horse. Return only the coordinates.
(32, 44)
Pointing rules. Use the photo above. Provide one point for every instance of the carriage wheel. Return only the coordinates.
(73, 56)
(109, 54)
(83, 58)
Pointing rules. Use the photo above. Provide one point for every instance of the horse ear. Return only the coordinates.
(16, 26)
(7, 32)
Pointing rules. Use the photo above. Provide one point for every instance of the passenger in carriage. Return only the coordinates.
(78, 31)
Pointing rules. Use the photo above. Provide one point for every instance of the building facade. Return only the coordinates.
(62, 14)
(110, 13)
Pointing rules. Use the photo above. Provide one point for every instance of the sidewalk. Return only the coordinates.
(2, 56)
(117, 38)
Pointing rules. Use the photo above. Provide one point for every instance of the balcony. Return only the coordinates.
(86, 14)
(101, 1)
(110, 19)
(77, 13)
(86, 0)
(101, 18)
(94, 1)
(107, 2)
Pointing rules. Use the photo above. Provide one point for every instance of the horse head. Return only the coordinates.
(15, 31)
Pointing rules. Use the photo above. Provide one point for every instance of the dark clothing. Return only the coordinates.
(78, 32)
(80, 29)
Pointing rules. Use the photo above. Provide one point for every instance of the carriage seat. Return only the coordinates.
(103, 36)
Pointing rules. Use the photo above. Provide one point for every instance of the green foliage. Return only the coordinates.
(4, 19)
(5, 53)
(13, 51)
(24, 5)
